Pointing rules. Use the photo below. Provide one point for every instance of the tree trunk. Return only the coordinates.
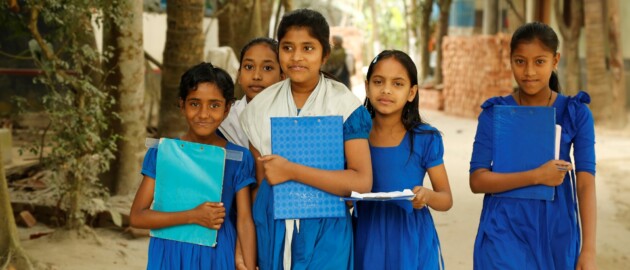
(570, 22)
(127, 76)
(240, 22)
(412, 23)
(425, 6)
(445, 7)
(490, 15)
(11, 252)
(598, 78)
(376, 43)
(618, 108)
(183, 49)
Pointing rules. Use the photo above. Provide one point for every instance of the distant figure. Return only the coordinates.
(338, 62)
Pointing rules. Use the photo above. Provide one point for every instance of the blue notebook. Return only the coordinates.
(524, 138)
(187, 174)
(316, 142)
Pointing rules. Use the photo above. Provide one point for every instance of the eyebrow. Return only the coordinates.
(198, 99)
(538, 56)
(252, 60)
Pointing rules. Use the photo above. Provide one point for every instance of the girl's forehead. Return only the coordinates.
(298, 34)
(534, 46)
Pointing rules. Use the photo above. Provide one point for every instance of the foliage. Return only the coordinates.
(391, 24)
(76, 101)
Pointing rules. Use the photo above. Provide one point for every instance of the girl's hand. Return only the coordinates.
(552, 173)
(210, 215)
(422, 197)
(276, 169)
(586, 261)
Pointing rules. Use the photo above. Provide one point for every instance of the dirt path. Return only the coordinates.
(457, 227)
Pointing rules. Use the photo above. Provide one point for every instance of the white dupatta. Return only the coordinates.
(329, 98)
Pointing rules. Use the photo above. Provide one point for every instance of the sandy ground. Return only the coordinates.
(456, 228)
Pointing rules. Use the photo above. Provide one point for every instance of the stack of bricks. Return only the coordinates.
(475, 68)
(431, 98)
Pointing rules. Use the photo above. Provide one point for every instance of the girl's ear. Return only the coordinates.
(412, 93)
(556, 60)
(325, 59)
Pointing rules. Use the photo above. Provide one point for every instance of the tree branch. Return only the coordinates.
(518, 15)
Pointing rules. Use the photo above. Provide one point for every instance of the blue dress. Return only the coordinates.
(169, 254)
(535, 234)
(393, 235)
(324, 243)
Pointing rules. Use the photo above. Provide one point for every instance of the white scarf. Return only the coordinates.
(329, 98)
(231, 126)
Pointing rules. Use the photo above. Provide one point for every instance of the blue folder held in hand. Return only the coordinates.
(314, 141)
(187, 174)
(524, 138)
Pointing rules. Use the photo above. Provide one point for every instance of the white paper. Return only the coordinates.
(558, 135)
(383, 195)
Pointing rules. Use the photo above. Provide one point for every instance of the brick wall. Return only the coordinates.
(475, 68)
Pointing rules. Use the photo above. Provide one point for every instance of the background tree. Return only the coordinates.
(183, 49)
(74, 101)
(490, 17)
(126, 78)
(425, 7)
(598, 83)
(241, 21)
(618, 110)
(570, 18)
(442, 28)
(11, 252)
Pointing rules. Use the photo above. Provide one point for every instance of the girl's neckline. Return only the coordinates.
(514, 102)
(391, 146)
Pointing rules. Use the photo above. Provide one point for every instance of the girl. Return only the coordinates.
(259, 69)
(390, 235)
(324, 243)
(205, 93)
(527, 233)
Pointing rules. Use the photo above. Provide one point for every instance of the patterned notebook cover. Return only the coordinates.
(524, 139)
(187, 175)
(314, 141)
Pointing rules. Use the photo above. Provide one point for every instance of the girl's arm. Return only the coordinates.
(485, 181)
(588, 217)
(245, 227)
(440, 198)
(260, 170)
(357, 177)
(208, 214)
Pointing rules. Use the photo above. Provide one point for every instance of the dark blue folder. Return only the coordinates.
(187, 174)
(524, 139)
(314, 141)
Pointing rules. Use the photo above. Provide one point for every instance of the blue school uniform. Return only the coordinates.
(321, 243)
(391, 234)
(169, 254)
(535, 234)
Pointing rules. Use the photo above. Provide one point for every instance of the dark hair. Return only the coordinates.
(545, 34)
(411, 115)
(312, 20)
(272, 44)
(206, 73)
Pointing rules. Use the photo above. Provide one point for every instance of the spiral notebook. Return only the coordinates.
(187, 174)
(314, 141)
(524, 138)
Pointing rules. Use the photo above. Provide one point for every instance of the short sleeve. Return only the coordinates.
(584, 140)
(358, 125)
(245, 176)
(482, 147)
(432, 147)
(148, 165)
